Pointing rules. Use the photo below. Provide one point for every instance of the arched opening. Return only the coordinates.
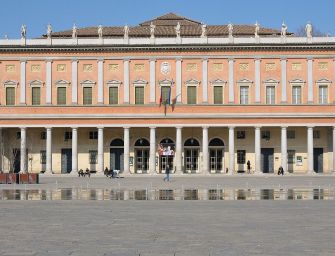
(142, 148)
(166, 152)
(216, 154)
(191, 155)
(116, 155)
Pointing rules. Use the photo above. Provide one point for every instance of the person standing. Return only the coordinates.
(167, 173)
(248, 166)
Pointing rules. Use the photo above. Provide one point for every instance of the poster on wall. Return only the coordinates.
(299, 161)
(165, 150)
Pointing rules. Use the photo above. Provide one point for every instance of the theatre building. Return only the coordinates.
(204, 98)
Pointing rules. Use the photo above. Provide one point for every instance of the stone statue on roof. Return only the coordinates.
(256, 29)
(283, 29)
(177, 28)
(49, 31)
(23, 31)
(230, 29)
(152, 30)
(74, 31)
(126, 32)
(309, 29)
(203, 30)
(100, 31)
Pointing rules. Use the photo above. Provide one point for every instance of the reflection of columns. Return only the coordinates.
(48, 82)
(23, 82)
(126, 81)
(310, 156)
(310, 80)
(152, 165)
(126, 150)
(48, 168)
(257, 81)
(205, 155)
(74, 150)
(333, 148)
(205, 81)
(258, 150)
(178, 80)
(74, 83)
(23, 156)
(178, 150)
(152, 64)
(284, 148)
(100, 81)
(100, 149)
(283, 63)
(231, 150)
(231, 80)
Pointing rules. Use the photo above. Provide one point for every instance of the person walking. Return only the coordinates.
(248, 166)
(167, 173)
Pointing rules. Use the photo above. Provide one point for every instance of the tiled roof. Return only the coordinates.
(165, 27)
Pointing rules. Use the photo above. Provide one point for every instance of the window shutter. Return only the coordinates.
(36, 95)
(191, 95)
(165, 93)
(10, 96)
(61, 96)
(139, 95)
(218, 95)
(87, 95)
(113, 95)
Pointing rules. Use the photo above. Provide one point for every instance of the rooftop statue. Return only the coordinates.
(309, 30)
(283, 29)
(74, 31)
(126, 31)
(49, 31)
(230, 29)
(177, 28)
(100, 31)
(152, 30)
(203, 30)
(23, 31)
(256, 29)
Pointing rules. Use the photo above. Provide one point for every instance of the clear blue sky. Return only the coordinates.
(36, 14)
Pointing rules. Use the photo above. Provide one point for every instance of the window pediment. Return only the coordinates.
(271, 81)
(218, 81)
(244, 81)
(113, 82)
(192, 82)
(87, 83)
(10, 83)
(62, 82)
(36, 83)
(324, 81)
(165, 82)
(140, 82)
(297, 81)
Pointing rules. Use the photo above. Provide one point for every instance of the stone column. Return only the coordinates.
(100, 150)
(257, 81)
(231, 150)
(126, 81)
(310, 80)
(258, 168)
(23, 155)
(178, 80)
(205, 81)
(205, 155)
(310, 156)
(74, 150)
(231, 81)
(179, 164)
(126, 150)
(74, 83)
(23, 82)
(48, 168)
(333, 148)
(48, 84)
(284, 147)
(152, 164)
(152, 64)
(101, 81)
(283, 63)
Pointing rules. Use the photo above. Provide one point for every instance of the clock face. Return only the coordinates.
(165, 68)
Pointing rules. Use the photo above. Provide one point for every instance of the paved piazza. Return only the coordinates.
(109, 227)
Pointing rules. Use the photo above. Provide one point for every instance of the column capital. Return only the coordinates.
(100, 59)
(152, 127)
(205, 59)
(49, 60)
(100, 127)
(257, 59)
(180, 127)
(231, 60)
(284, 127)
(310, 127)
(310, 58)
(75, 60)
(48, 127)
(126, 127)
(179, 59)
(231, 127)
(126, 59)
(205, 127)
(74, 128)
(23, 60)
(152, 59)
(23, 128)
(258, 127)
(283, 59)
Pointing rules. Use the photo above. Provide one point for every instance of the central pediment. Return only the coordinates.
(170, 19)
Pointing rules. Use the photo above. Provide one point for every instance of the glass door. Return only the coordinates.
(216, 160)
(142, 161)
(191, 160)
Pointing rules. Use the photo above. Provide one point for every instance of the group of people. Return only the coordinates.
(280, 169)
(111, 173)
(82, 173)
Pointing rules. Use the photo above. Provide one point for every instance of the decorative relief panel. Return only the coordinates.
(139, 67)
(244, 66)
(270, 66)
(87, 67)
(113, 67)
(323, 66)
(10, 68)
(296, 66)
(191, 67)
(165, 68)
(35, 68)
(61, 67)
(217, 66)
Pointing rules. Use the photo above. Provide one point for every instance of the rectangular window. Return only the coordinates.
(270, 95)
(10, 96)
(43, 157)
(165, 94)
(241, 156)
(61, 96)
(290, 156)
(218, 94)
(35, 95)
(113, 95)
(93, 135)
(290, 134)
(323, 94)
(266, 135)
(240, 135)
(244, 94)
(87, 95)
(43, 135)
(18, 135)
(191, 95)
(296, 94)
(93, 156)
(139, 95)
(68, 136)
(316, 134)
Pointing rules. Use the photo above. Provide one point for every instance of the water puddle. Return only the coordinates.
(168, 194)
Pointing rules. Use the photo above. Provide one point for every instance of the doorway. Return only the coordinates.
(142, 155)
(267, 160)
(216, 150)
(66, 159)
(116, 155)
(318, 160)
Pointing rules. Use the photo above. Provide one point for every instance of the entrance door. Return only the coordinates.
(216, 157)
(267, 160)
(142, 160)
(290, 160)
(318, 160)
(163, 161)
(191, 160)
(116, 159)
(66, 160)
(17, 160)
